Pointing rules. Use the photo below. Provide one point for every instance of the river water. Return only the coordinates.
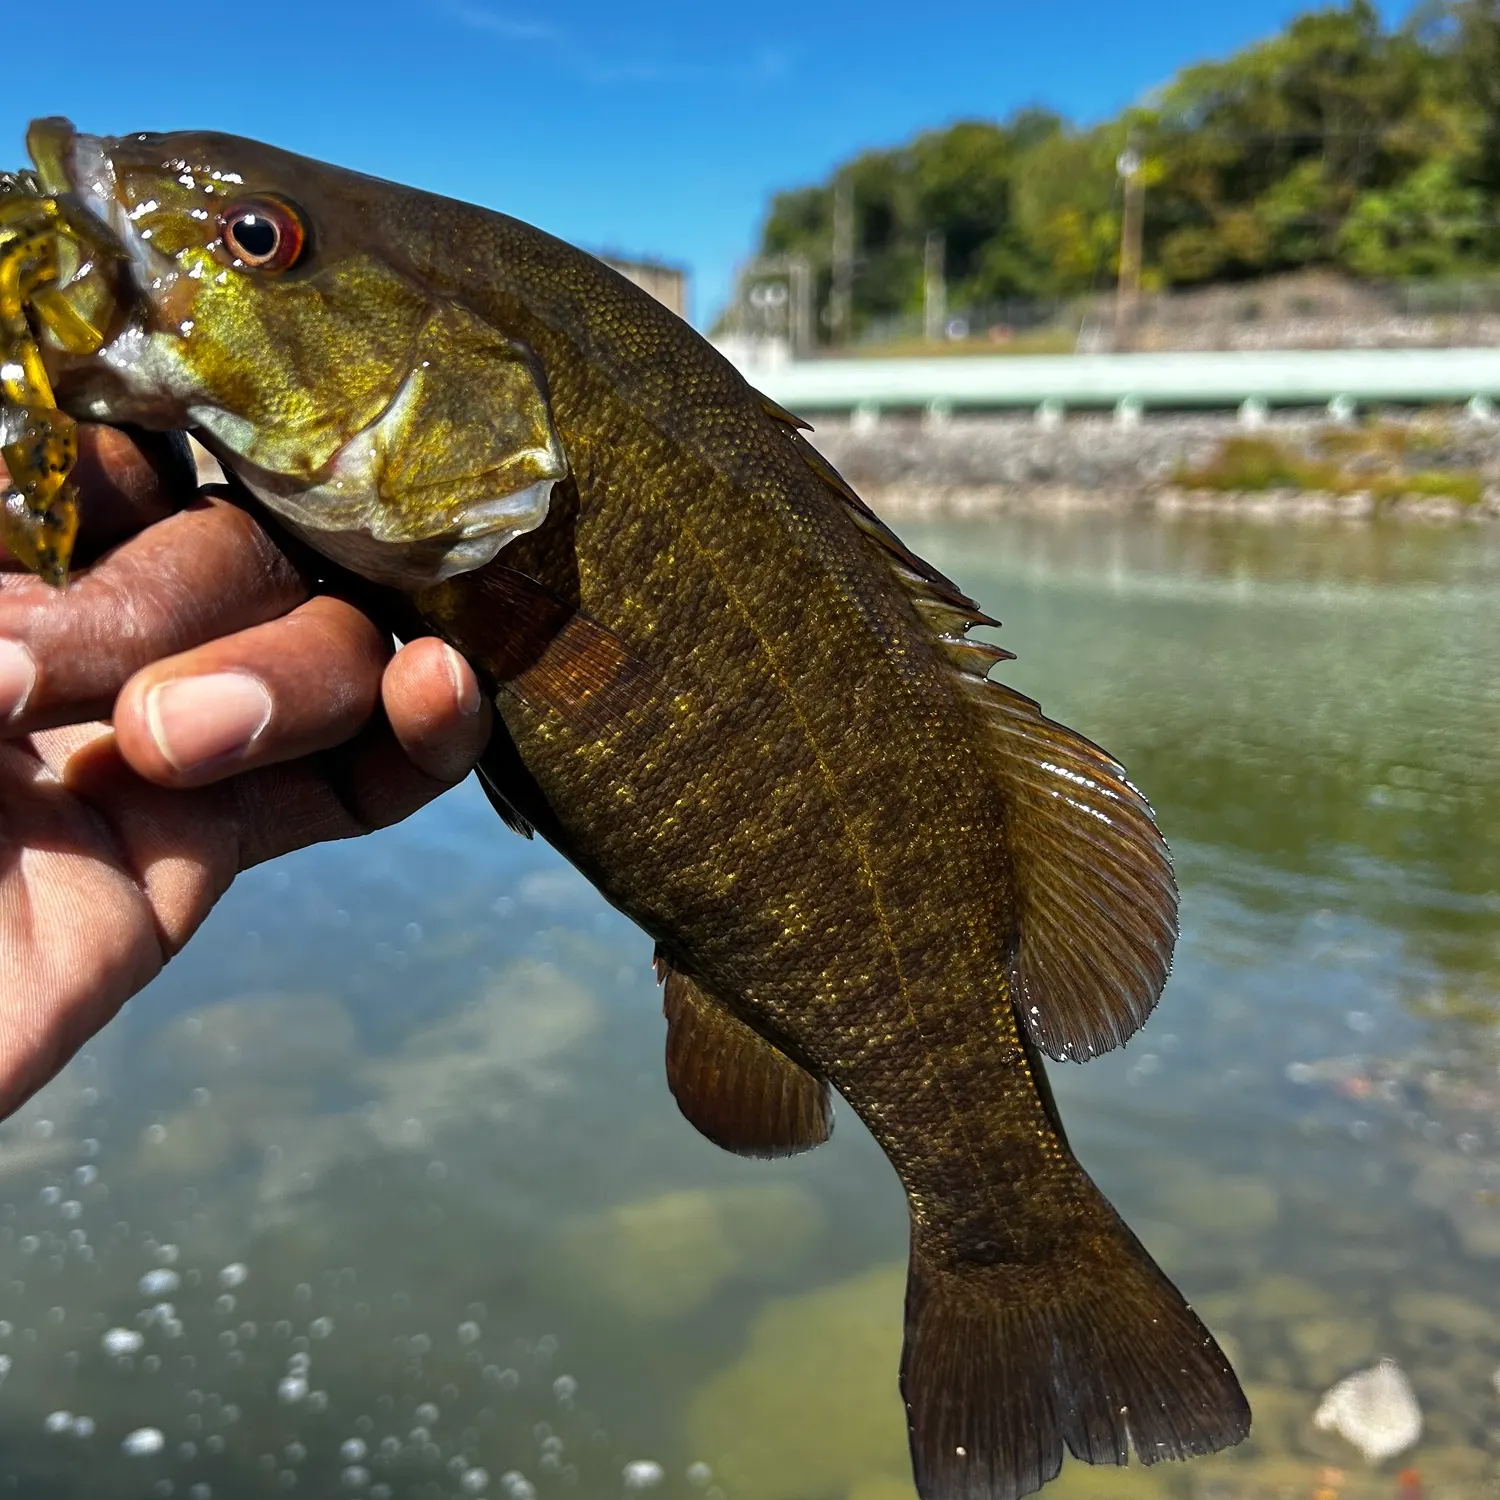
(379, 1189)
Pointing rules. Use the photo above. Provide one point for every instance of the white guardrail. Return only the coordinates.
(1131, 383)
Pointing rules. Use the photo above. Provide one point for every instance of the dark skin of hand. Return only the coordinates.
(187, 709)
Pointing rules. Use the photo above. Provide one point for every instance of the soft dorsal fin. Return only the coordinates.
(1098, 902)
(730, 1082)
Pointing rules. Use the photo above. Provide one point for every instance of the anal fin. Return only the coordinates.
(735, 1087)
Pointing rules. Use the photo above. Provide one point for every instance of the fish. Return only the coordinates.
(728, 694)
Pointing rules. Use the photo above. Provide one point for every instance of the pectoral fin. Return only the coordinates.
(541, 650)
(732, 1084)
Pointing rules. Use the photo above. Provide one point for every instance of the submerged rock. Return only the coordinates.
(812, 1408)
(666, 1256)
(1375, 1409)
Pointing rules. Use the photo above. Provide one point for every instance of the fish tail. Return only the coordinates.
(1003, 1366)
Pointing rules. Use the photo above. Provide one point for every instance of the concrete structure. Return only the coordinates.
(1132, 384)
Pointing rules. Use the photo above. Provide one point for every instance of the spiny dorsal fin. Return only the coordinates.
(732, 1084)
(921, 579)
(1098, 916)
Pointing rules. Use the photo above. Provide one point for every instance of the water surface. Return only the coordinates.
(379, 1189)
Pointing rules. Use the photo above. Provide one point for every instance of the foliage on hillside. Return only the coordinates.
(1337, 143)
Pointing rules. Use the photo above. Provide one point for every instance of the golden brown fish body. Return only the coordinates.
(743, 710)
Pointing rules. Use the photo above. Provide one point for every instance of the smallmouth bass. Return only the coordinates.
(724, 690)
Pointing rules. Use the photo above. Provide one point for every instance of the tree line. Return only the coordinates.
(1337, 143)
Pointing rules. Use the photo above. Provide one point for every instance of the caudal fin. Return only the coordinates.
(1111, 1356)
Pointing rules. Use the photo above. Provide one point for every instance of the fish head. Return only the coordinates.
(258, 304)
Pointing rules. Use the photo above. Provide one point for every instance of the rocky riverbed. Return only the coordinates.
(1285, 465)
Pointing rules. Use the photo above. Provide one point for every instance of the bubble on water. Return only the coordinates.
(42, 1130)
(143, 1442)
(317, 1400)
(320, 1328)
(293, 1389)
(421, 1344)
(159, 1282)
(122, 1341)
(71, 1209)
(642, 1474)
(299, 1363)
(233, 1275)
(427, 1414)
(200, 1492)
(294, 1453)
(6, 1328)
(700, 1476)
(302, 1292)
(353, 1450)
(51, 1195)
(59, 1421)
(200, 1096)
(546, 1346)
(390, 1446)
(564, 1387)
(419, 1435)
(355, 1477)
(214, 1443)
(474, 1481)
(28, 1244)
(469, 1333)
(380, 1492)
(155, 1134)
(168, 1255)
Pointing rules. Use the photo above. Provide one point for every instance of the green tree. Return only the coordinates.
(1338, 142)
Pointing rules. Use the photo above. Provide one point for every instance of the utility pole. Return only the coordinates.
(1132, 229)
(800, 273)
(841, 297)
(934, 288)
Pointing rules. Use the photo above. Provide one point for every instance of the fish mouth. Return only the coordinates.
(80, 170)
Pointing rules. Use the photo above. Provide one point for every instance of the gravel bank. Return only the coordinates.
(976, 466)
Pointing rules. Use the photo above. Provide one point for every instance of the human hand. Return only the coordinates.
(249, 719)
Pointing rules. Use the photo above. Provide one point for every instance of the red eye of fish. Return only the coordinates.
(262, 233)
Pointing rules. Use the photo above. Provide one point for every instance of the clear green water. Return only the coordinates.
(409, 1093)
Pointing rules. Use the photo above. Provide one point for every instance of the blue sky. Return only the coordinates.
(655, 130)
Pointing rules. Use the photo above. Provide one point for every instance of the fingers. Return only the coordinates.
(273, 693)
(197, 575)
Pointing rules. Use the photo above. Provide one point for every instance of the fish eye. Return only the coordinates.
(262, 233)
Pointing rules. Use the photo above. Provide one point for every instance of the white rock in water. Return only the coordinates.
(1374, 1409)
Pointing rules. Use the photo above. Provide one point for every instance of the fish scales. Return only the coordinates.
(733, 700)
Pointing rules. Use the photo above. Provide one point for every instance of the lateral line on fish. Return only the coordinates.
(887, 932)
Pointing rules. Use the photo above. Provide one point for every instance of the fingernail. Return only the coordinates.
(465, 688)
(196, 721)
(17, 678)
